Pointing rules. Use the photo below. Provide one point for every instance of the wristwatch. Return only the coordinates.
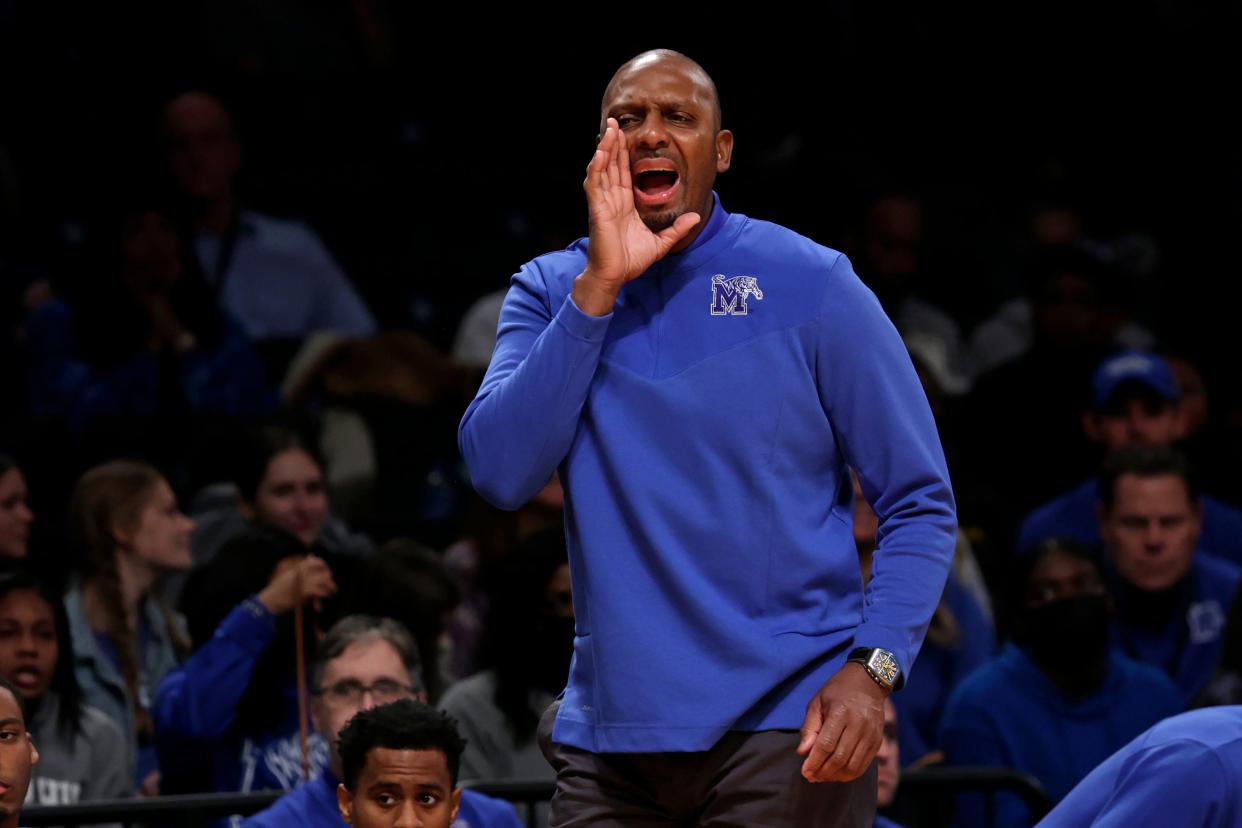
(881, 665)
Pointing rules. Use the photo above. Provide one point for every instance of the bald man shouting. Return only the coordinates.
(702, 382)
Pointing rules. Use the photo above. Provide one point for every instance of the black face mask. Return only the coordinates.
(1068, 641)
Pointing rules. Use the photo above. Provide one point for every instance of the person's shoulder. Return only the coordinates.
(1214, 728)
(290, 810)
(98, 728)
(482, 811)
(285, 235)
(1218, 576)
(994, 678)
(469, 691)
(1143, 682)
(783, 243)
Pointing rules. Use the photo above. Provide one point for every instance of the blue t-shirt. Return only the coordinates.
(313, 805)
(702, 431)
(1008, 714)
(1185, 772)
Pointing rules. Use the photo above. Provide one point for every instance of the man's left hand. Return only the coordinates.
(844, 726)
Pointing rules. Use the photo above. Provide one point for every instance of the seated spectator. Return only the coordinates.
(278, 482)
(81, 751)
(150, 343)
(1184, 771)
(1134, 402)
(409, 583)
(234, 701)
(1023, 419)
(1058, 699)
(529, 644)
(15, 514)
(491, 534)
(892, 260)
(18, 755)
(125, 636)
(888, 766)
(274, 275)
(361, 662)
(1171, 598)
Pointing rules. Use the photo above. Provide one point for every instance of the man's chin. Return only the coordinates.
(661, 220)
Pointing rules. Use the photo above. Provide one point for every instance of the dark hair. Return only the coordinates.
(401, 725)
(1025, 562)
(409, 583)
(64, 681)
(5, 684)
(353, 628)
(259, 445)
(1145, 461)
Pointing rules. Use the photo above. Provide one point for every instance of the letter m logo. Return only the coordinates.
(729, 295)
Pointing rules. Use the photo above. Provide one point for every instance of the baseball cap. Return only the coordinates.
(1137, 367)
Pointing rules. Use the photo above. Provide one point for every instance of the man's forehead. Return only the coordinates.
(407, 767)
(365, 658)
(657, 74)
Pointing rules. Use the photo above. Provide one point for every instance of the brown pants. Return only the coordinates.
(746, 780)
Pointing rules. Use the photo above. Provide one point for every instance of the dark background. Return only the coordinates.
(437, 148)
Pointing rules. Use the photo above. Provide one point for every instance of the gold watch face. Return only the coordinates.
(884, 666)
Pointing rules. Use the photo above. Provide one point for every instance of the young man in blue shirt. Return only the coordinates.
(702, 381)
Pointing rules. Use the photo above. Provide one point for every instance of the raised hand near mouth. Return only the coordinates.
(622, 247)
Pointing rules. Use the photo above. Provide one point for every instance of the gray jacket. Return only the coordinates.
(88, 764)
(103, 686)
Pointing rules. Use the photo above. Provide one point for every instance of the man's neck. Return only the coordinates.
(705, 215)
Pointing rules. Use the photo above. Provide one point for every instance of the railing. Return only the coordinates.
(928, 791)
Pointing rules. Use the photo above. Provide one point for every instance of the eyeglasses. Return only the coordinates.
(350, 691)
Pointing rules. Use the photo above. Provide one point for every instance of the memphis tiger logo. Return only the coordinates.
(729, 295)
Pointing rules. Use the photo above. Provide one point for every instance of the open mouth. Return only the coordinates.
(655, 186)
(26, 677)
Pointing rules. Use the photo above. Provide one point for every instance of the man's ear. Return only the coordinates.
(456, 800)
(345, 803)
(724, 150)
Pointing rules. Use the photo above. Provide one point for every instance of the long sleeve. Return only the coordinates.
(520, 425)
(880, 414)
(199, 700)
(969, 739)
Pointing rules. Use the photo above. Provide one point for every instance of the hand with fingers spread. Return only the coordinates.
(844, 727)
(622, 247)
(295, 581)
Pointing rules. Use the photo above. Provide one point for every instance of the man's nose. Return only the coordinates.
(408, 817)
(652, 133)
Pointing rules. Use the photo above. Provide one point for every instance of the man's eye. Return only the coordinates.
(626, 120)
(386, 800)
(428, 799)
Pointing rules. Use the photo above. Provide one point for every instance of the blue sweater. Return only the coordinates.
(1072, 515)
(313, 805)
(196, 709)
(1188, 647)
(1185, 772)
(702, 432)
(1007, 714)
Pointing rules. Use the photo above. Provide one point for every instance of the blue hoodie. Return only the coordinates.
(1007, 714)
(702, 432)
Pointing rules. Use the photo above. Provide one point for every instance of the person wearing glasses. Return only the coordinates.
(363, 662)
